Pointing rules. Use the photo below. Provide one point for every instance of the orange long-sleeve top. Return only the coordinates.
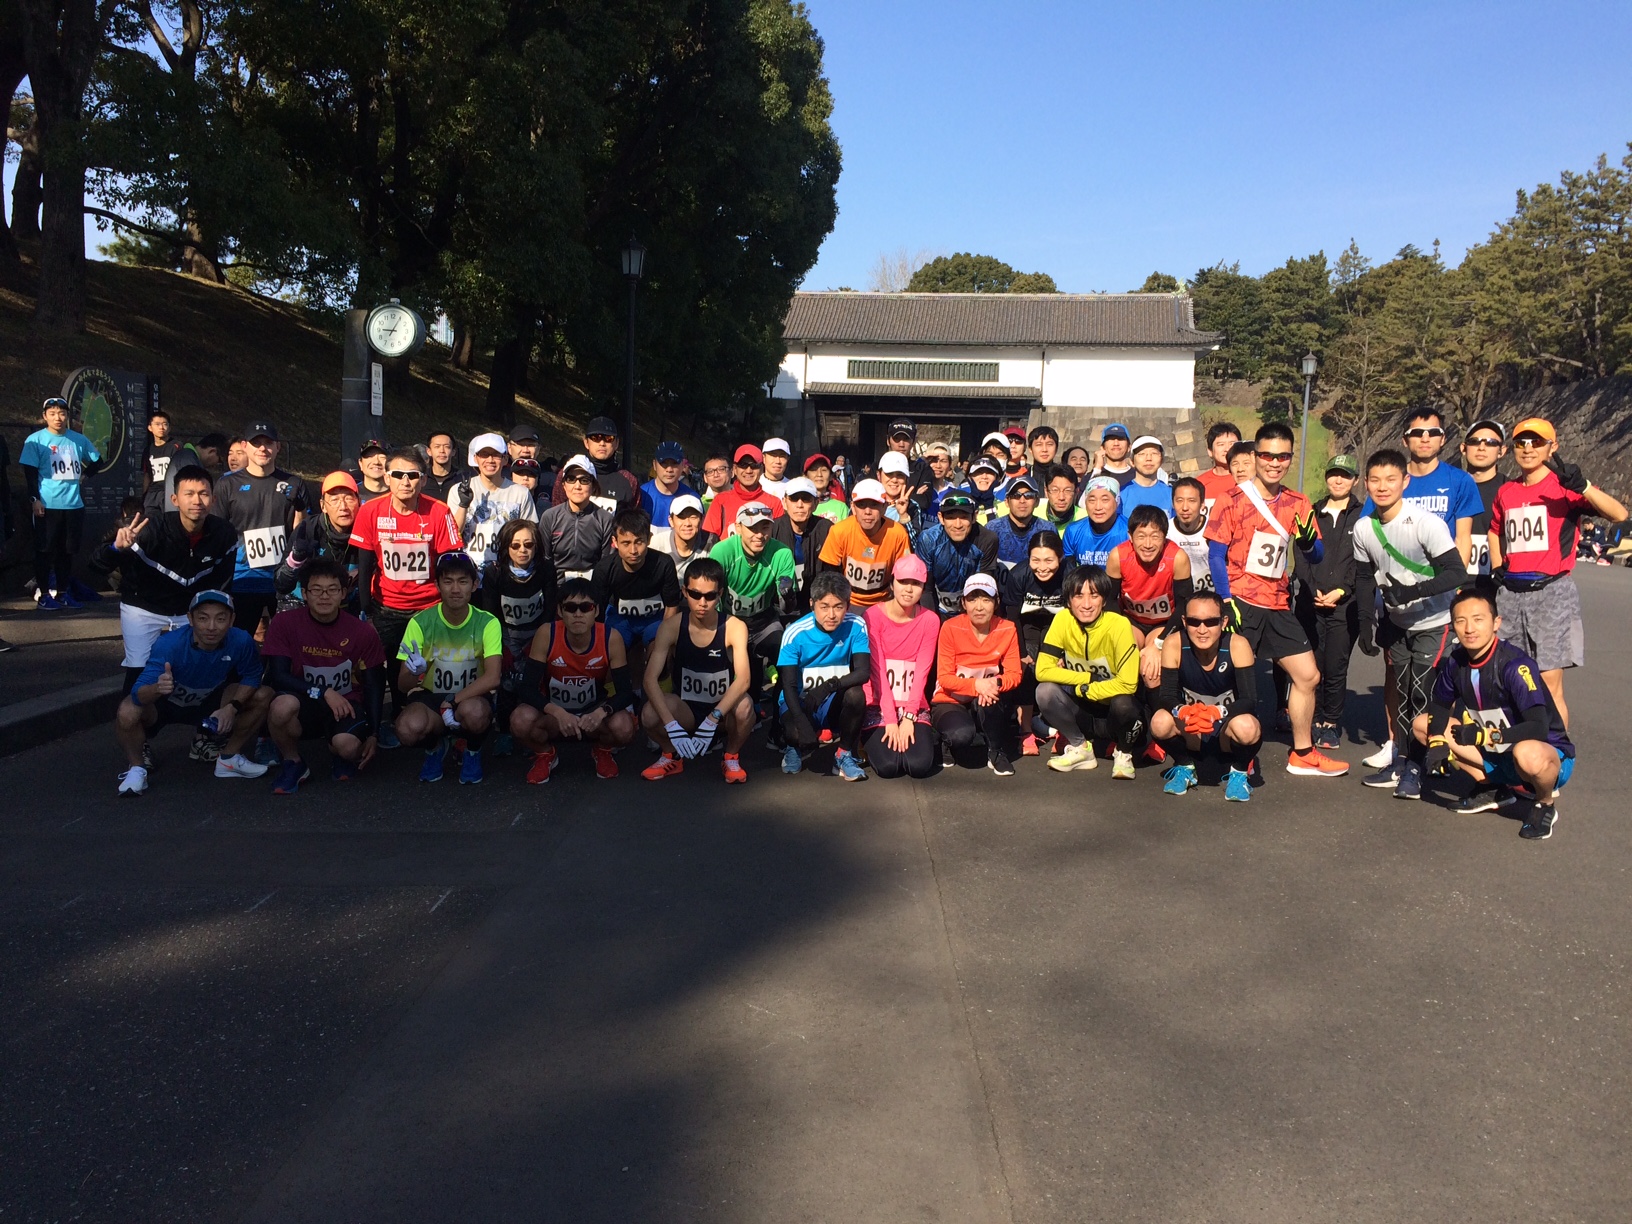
(962, 658)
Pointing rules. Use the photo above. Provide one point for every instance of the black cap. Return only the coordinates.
(373, 444)
(902, 425)
(260, 429)
(524, 467)
(524, 433)
(1497, 426)
(601, 425)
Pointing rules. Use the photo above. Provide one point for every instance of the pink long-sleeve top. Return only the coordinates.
(903, 656)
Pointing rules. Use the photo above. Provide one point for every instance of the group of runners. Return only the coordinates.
(1096, 608)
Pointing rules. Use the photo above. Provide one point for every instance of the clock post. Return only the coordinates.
(388, 330)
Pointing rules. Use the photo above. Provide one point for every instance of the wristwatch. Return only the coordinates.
(315, 693)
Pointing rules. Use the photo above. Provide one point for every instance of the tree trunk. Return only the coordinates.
(464, 347)
(501, 387)
(60, 305)
(198, 255)
(26, 192)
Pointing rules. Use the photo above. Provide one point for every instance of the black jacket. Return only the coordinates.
(782, 529)
(314, 538)
(163, 569)
(1336, 567)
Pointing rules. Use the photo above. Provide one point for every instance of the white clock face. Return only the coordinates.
(391, 330)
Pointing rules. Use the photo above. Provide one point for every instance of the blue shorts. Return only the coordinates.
(643, 629)
(1501, 770)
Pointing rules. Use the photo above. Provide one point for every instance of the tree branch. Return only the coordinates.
(144, 10)
(174, 237)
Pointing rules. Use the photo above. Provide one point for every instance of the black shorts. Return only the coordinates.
(189, 715)
(435, 700)
(1272, 633)
(317, 721)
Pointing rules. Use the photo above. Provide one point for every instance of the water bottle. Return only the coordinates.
(210, 726)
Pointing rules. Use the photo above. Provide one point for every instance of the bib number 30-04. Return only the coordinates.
(1266, 555)
(1525, 530)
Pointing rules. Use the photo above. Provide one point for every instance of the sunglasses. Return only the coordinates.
(1529, 443)
(1433, 432)
(1484, 441)
(1275, 456)
(599, 438)
(410, 474)
(1204, 622)
(577, 607)
(1022, 494)
(702, 596)
(575, 478)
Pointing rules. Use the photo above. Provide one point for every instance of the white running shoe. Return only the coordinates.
(1382, 758)
(133, 781)
(1075, 756)
(1122, 765)
(237, 766)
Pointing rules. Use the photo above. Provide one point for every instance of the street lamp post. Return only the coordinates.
(634, 263)
(1309, 364)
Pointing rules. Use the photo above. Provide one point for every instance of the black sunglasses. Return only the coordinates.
(600, 438)
(1484, 440)
(1204, 622)
(410, 474)
(702, 596)
(1433, 432)
(578, 606)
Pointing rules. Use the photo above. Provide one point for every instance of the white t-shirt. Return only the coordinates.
(776, 488)
(1417, 535)
(489, 510)
(1195, 547)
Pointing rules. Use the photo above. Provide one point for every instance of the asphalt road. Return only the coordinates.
(1033, 999)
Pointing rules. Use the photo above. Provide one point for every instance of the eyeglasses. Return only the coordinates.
(410, 474)
(577, 607)
(575, 478)
(1204, 622)
(1275, 456)
(1432, 432)
(1529, 443)
(702, 596)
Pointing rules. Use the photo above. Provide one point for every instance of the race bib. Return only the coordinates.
(565, 574)
(949, 601)
(750, 607)
(864, 576)
(799, 573)
(703, 686)
(522, 613)
(640, 609)
(1191, 697)
(572, 693)
(901, 673)
(1479, 555)
(264, 547)
(1494, 720)
(159, 466)
(406, 560)
(336, 678)
(978, 673)
(183, 696)
(448, 678)
(65, 464)
(609, 504)
(1029, 605)
(1266, 555)
(1525, 530)
(1159, 608)
(1099, 670)
(810, 677)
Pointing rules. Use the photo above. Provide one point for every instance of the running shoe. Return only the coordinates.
(1122, 765)
(1179, 779)
(731, 767)
(68, 601)
(1238, 787)
(266, 752)
(606, 765)
(1028, 746)
(1382, 758)
(1075, 756)
(1538, 826)
(45, 603)
(1154, 752)
(543, 765)
(204, 749)
(133, 781)
(1255, 775)
(342, 770)
(504, 745)
(666, 766)
(792, 760)
(238, 766)
(388, 737)
(1313, 763)
(290, 775)
(1410, 784)
(1486, 799)
(6, 646)
(847, 767)
(470, 767)
(1327, 737)
(998, 762)
(83, 592)
(431, 770)
(1386, 778)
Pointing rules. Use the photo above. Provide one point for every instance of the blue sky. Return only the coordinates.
(1100, 141)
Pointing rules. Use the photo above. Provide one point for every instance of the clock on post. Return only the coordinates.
(394, 330)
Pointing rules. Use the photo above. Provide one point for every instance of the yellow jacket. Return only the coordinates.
(1097, 661)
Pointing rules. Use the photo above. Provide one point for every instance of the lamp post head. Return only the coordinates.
(634, 258)
(1310, 363)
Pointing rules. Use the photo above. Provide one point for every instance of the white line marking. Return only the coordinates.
(262, 902)
(441, 899)
(204, 822)
(73, 822)
(519, 817)
(75, 901)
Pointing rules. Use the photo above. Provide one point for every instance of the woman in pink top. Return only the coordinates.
(903, 637)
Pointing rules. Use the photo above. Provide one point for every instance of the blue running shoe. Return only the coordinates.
(792, 762)
(1410, 784)
(68, 601)
(1238, 787)
(342, 771)
(82, 592)
(46, 603)
(431, 771)
(470, 767)
(388, 737)
(504, 745)
(847, 767)
(1179, 779)
(290, 776)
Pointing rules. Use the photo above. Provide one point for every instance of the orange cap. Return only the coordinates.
(1538, 426)
(339, 480)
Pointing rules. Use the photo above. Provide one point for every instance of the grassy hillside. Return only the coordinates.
(1240, 406)
(227, 357)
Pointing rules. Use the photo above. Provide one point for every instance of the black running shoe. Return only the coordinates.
(998, 762)
(1538, 826)
(1486, 799)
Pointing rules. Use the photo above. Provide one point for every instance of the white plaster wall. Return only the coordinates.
(1119, 378)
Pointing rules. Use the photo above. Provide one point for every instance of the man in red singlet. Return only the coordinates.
(1156, 580)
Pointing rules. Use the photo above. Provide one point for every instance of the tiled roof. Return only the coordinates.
(1006, 319)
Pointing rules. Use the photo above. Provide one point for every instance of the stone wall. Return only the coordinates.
(1594, 423)
(1180, 430)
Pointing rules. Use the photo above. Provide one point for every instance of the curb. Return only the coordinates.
(28, 724)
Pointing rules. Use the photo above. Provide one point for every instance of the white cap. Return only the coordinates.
(938, 446)
(488, 441)
(869, 490)
(1001, 439)
(581, 462)
(752, 512)
(777, 444)
(801, 484)
(894, 462)
(980, 584)
(684, 502)
(1147, 440)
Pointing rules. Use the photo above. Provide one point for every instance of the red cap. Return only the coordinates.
(749, 451)
(818, 457)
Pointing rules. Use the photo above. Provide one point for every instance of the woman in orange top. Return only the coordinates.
(977, 673)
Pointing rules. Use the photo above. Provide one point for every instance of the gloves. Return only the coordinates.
(416, 661)
(813, 698)
(1475, 735)
(680, 740)
(1395, 593)
(1438, 758)
(1199, 718)
(1305, 531)
(1367, 641)
(704, 735)
(1232, 614)
(1569, 475)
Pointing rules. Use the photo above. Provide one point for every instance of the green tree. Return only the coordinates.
(967, 273)
(1298, 303)
(1161, 282)
(1229, 302)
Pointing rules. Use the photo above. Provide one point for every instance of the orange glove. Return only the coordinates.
(1201, 718)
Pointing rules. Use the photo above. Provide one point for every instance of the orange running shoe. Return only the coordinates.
(666, 766)
(606, 765)
(732, 768)
(1028, 746)
(1313, 763)
(543, 765)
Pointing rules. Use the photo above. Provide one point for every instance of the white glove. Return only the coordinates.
(703, 737)
(416, 661)
(679, 740)
(448, 720)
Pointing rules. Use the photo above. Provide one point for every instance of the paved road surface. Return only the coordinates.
(1030, 999)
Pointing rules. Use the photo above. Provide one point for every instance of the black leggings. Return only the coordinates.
(1121, 720)
(56, 541)
(972, 730)
(844, 718)
(764, 643)
(1334, 634)
(919, 761)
